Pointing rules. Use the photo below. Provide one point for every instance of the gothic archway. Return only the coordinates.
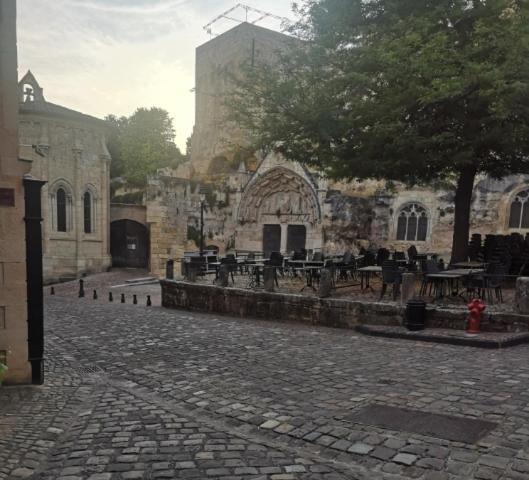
(279, 195)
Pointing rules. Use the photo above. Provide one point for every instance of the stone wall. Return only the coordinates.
(123, 211)
(329, 312)
(13, 310)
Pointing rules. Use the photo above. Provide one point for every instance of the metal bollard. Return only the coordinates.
(122, 298)
(134, 300)
(110, 297)
(149, 303)
(95, 295)
(81, 288)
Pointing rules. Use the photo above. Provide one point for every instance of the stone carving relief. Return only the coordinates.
(279, 194)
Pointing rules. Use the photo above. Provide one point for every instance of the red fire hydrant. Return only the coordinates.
(476, 308)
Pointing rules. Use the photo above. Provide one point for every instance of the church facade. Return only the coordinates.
(74, 161)
(273, 204)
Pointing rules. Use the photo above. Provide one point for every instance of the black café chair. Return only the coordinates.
(383, 254)
(429, 267)
(276, 261)
(347, 266)
(487, 284)
(391, 275)
(231, 263)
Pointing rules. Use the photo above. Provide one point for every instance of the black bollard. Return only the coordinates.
(52, 291)
(110, 297)
(95, 295)
(122, 298)
(81, 288)
(149, 303)
(134, 300)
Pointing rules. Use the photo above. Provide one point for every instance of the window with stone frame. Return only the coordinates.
(412, 223)
(519, 213)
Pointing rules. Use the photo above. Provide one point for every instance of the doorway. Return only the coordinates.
(296, 238)
(271, 239)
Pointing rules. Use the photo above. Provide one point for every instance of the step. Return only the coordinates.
(448, 336)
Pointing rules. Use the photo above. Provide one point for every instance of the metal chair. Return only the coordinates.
(276, 260)
(428, 267)
(391, 275)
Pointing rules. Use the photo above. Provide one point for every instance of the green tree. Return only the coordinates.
(117, 125)
(407, 90)
(141, 144)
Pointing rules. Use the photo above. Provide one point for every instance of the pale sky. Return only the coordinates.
(112, 56)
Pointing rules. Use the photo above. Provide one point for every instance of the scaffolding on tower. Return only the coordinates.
(249, 12)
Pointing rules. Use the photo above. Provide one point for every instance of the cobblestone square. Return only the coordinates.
(138, 392)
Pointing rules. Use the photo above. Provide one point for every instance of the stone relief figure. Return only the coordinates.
(284, 203)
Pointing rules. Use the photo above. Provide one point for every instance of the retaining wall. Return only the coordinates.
(330, 312)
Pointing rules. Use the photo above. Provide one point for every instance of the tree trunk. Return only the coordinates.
(463, 200)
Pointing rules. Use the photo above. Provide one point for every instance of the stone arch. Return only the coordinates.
(282, 193)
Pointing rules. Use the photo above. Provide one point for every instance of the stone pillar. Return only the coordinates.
(284, 235)
(325, 283)
(269, 279)
(407, 291)
(521, 297)
(224, 276)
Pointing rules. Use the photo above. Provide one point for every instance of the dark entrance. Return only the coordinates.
(296, 238)
(271, 239)
(129, 244)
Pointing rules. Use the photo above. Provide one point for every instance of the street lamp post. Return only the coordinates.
(202, 192)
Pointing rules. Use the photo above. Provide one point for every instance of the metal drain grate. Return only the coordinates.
(89, 369)
(448, 427)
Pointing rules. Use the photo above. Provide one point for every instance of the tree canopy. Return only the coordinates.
(141, 144)
(405, 90)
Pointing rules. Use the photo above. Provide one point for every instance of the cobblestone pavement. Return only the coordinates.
(145, 392)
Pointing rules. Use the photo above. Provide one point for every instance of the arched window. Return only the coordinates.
(519, 216)
(61, 201)
(412, 223)
(87, 208)
(61, 210)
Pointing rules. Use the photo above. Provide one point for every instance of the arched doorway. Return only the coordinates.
(129, 244)
(285, 209)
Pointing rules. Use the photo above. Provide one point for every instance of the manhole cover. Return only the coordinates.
(458, 429)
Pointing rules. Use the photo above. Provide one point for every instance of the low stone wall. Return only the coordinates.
(330, 312)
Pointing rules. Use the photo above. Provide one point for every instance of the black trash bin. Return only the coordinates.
(415, 314)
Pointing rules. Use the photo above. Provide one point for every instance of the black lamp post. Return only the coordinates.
(202, 191)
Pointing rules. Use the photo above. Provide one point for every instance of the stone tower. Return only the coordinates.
(216, 62)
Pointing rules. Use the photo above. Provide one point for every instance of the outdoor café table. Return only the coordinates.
(365, 275)
(452, 277)
(255, 271)
(308, 267)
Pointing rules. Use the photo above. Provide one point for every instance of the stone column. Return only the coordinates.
(269, 279)
(325, 287)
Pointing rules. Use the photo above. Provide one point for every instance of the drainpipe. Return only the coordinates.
(33, 220)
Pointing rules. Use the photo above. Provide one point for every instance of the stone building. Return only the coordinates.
(273, 204)
(75, 163)
(13, 296)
